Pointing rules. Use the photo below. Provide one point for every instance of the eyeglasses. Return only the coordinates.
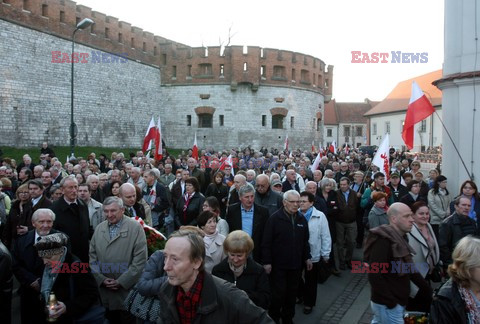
(303, 201)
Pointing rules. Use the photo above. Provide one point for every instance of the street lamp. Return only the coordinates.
(73, 128)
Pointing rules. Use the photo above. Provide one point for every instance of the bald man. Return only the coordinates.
(387, 245)
(128, 194)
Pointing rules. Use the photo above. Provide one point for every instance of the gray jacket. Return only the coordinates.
(271, 200)
(153, 275)
(377, 217)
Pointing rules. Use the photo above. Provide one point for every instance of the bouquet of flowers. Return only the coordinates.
(155, 240)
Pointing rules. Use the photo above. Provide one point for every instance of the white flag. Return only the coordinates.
(381, 158)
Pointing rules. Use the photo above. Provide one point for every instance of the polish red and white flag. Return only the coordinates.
(419, 108)
(285, 145)
(333, 147)
(382, 158)
(195, 148)
(149, 136)
(158, 142)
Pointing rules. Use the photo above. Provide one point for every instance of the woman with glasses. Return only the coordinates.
(413, 194)
(469, 190)
(439, 200)
(17, 213)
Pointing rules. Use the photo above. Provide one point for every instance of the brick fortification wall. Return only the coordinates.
(229, 96)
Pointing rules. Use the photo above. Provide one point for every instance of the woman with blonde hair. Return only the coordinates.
(241, 270)
(458, 300)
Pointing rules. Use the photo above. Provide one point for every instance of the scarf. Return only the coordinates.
(208, 239)
(470, 304)
(237, 271)
(400, 247)
(152, 196)
(187, 197)
(49, 276)
(308, 213)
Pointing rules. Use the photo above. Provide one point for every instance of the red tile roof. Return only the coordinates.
(399, 98)
(347, 112)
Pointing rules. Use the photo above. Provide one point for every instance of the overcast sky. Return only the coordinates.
(328, 30)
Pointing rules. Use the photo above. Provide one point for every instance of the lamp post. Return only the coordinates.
(73, 128)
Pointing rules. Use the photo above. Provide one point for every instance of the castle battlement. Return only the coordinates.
(180, 64)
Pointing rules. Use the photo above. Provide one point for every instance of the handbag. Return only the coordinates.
(437, 274)
(143, 307)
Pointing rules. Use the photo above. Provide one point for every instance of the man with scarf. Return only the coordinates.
(390, 266)
(155, 195)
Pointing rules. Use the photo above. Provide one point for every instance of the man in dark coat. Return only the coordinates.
(129, 197)
(193, 295)
(285, 249)
(38, 200)
(346, 222)
(248, 217)
(454, 228)
(266, 197)
(71, 218)
(28, 266)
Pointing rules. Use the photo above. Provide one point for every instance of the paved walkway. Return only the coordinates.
(344, 299)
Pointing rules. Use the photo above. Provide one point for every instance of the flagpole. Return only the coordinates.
(454, 146)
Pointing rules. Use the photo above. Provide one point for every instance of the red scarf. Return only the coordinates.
(187, 199)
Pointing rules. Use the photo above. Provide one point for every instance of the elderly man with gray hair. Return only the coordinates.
(118, 253)
(248, 217)
(28, 266)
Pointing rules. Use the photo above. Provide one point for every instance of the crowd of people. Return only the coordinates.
(266, 222)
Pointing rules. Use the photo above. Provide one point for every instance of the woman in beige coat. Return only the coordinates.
(439, 200)
(214, 254)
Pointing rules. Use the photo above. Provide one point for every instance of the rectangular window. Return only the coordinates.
(329, 132)
(319, 124)
(278, 72)
(222, 69)
(120, 38)
(305, 76)
(346, 130)
(359, 131)
(423, 126)
(263, 71)
(220, 120)
(374, 129)
(62, 16)
(292, 122)
(164, 59)
(245, 66)
(264, 120)
(277, 122)
(189, 71)
(44, 10)
(132, 42)
(294, 75)
(205, 69)
(189, 120)
(107, 33)
(155, 51)
(205, 121)
(77, 20)
(387, 127)
(92, 28)
(144, 46)
(26, 5)
(174, 71)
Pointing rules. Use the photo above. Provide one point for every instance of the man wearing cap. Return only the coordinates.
(277, 186)
(28, 266)
(266, 197)
(397, 189)
(120, 243)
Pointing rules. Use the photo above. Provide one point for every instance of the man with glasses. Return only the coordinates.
(285, 249)
(265, 196)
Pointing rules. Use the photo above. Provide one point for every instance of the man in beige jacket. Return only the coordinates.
(118, 253)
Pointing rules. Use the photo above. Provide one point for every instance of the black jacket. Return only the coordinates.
(75, 222)
(84, 295)
(221, 193)
(271, 200)
(220, 302)
(285, 244)
(399, 193)
(253, 281)
(161, 203)
(452, 230)
(448, 306)
(409, 201)
(195, 207)
(260, 216)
